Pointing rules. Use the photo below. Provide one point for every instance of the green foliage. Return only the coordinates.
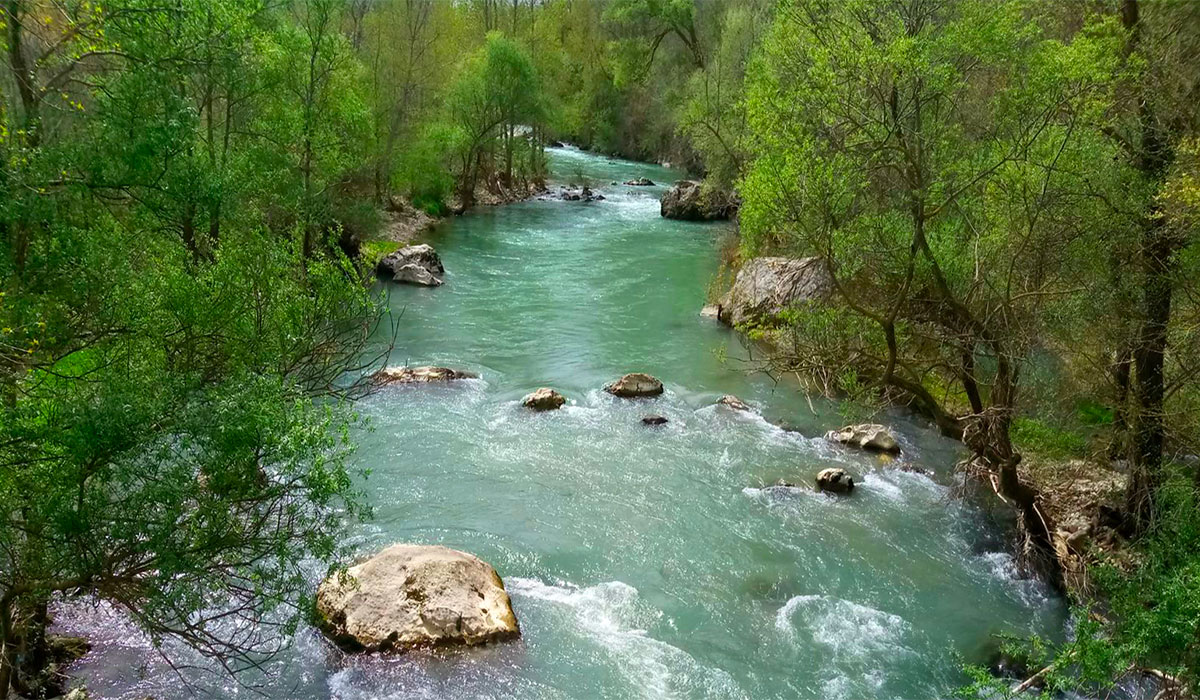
(1037, 436)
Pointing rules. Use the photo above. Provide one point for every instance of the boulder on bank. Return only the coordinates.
(768, 285)
(640, 182)
(634, 385)
(544, 399)
(835, 480)
(418, 375)
(687, 201)
(867, 436)
(415, 274)
(710, 311)
(654, 420)
(415, 595)
(422, 256)
(733, 402)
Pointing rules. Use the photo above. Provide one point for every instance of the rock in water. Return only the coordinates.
(733, 402)
(640, 182)
(654, 420)
(415, 274)
(686, 200)
(415, 595)
(767, 286)
(422, 255)
(868, 436)
(544, 399)
(416, 375)
(835, 480)
(634, 385)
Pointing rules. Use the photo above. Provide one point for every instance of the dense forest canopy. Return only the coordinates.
(1004, 192)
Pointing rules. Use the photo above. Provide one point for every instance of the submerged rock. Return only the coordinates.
(640, 182)
(867, 436)
(415, 274)
(733, 402)
(417, 375)
(766, 286)
(634, 385)
(544, 399)
(835, 480)
(687, 200)
(654, 420)
(415, 595)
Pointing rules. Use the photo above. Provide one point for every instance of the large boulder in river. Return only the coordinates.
(419, 375)
(867, 436)
(544, 399)
(412, 596)
(634, 385)
(688, 201)
(423, 256)
(640, 182)
(835, 480)
(415, 274)
(766, 286)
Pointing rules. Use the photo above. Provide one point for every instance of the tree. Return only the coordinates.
(933, 155)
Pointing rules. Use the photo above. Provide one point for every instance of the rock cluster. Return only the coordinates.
(417, 375)
(866, 436)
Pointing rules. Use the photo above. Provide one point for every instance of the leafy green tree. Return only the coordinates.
(932, 154)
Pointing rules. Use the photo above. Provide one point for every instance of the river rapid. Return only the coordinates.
(642, 562)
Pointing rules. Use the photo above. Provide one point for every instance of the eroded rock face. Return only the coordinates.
(415, 274)
(422, 256)
(416, 375)
(867, 436)
(634, 385)
(544, 399)
(415, 595)
(733, 402)
(835, 480)
(766, 286)
(687, 201)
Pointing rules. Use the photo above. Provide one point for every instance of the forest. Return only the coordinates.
(1003, 195)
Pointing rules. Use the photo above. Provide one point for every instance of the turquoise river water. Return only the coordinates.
(642, 562)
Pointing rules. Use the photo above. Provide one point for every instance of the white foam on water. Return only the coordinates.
(1003, 566)
(848, 629)
(609, 614)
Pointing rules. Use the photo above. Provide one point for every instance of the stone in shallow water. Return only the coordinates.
(544, 399)
(867, 436)
(415, 274)
(835, 480)
(634, 385)
(415, 595)
(654, 420)
(418, 375)
(422, 255)
(733, 402)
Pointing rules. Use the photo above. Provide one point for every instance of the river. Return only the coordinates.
(642, 562)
